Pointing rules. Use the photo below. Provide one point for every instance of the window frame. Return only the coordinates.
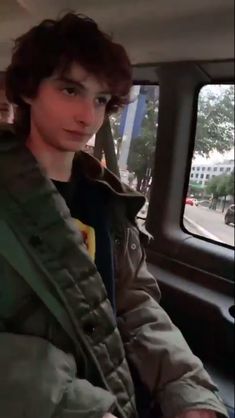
(172, 241)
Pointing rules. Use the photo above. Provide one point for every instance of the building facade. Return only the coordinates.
(202, 173)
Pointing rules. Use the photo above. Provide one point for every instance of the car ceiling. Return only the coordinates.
(153, 31)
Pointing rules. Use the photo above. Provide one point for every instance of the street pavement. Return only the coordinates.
(209, 223)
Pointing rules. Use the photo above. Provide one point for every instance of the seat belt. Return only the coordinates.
(26, 268)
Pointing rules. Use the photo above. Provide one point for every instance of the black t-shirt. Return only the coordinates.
(88, 203)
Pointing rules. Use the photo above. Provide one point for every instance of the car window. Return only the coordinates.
(134, 131)
(210, 196)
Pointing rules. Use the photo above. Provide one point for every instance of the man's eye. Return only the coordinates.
(69, 91)
(102, 100)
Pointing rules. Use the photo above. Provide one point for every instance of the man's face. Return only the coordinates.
(68, 110)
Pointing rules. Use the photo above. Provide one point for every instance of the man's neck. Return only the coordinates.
(56, 163)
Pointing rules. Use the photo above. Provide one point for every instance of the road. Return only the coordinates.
(209, 223)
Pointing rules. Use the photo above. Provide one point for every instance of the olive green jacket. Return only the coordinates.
(63, 353)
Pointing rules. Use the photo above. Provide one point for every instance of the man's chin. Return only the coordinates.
(73, 147)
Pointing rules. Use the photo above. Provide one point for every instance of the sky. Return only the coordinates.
(215, 157)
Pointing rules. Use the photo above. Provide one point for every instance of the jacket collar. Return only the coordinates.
(14, 154)
(92, 169)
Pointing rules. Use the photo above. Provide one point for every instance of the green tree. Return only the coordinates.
(230, 184)
(215, 121)
(141, 155)
(211, 187)
(221, 186)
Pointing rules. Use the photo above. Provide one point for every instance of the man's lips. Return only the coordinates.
(78, 133)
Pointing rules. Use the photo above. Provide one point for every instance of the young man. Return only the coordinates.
(82, 331)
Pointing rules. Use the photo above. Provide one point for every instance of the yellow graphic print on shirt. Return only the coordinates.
(88, 235)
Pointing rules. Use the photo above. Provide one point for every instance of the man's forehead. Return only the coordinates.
(79, 74)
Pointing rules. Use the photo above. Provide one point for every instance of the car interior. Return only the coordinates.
(179, 46)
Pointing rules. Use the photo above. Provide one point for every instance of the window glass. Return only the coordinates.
(134, 131)
(209, 211)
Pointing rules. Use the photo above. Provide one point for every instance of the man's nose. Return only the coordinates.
(85, 113)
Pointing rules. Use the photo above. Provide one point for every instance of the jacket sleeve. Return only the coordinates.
(155, 348)
(39, 380)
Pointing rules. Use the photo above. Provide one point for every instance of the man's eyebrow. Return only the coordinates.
(68, 80)
(79, 84)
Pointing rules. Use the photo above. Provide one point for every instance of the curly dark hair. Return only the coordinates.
(54, 45)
